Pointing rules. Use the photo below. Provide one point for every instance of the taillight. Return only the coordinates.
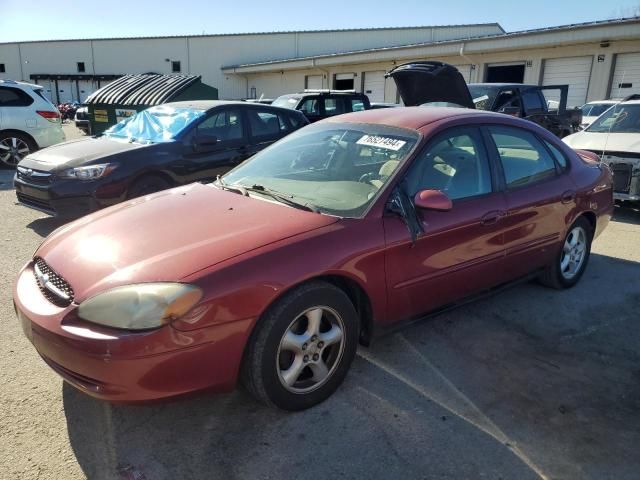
(53, 117)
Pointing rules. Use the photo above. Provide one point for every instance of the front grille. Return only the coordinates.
(621, 177)
(35, 202)
(35, 177)
(53, 286)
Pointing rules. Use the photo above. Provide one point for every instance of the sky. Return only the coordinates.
(63, 19)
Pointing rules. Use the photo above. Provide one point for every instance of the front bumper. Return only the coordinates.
(123, 366)
(63, 198)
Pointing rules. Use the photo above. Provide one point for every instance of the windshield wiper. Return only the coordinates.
(282, 198)
(232, 188)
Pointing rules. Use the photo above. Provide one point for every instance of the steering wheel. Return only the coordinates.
(366, 178)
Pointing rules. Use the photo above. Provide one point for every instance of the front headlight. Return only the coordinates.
(140, 306)
(88, 172)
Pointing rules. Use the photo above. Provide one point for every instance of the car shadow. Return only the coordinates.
(627, 213)
(45, 225)
(530, 383)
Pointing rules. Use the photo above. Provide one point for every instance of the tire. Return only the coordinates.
(285, 340)
(14, 146)
(146, 185)
(565, 272)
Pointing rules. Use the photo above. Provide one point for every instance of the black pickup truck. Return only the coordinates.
(437, 83)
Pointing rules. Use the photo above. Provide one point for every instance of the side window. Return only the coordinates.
(13, 97)
(333, 106)
(225, 125)
(532, 101)
(266, 125)
(454, 163)
(524, 159)
(357, 105)
(558, 155)
(507, 99)
(310, 106)
(297, 121)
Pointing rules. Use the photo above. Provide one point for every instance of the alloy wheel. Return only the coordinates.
(310, 350)
(12, 150)
(573, 253)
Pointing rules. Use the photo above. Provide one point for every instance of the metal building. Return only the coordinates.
(598, 59)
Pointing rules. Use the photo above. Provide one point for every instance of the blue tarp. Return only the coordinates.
(154, 125)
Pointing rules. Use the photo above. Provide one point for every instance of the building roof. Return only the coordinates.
(275, 32)
(504, 35)
(142, 89)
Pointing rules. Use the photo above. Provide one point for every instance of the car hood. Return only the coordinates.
(77, 152)
(424, 82)
(168, 236)
(599, 142)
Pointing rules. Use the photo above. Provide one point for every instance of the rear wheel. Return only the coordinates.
(302, 348)
(147, 185)
(14, 147)
(571, 262)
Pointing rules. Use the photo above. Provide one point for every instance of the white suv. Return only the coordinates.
(28, 121)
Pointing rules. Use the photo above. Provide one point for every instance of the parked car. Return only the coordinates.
(615, 137)
(28, 121)
(592, 110)
(435, 83)
(81, 120)
(338, 232)
(160, 147)
(319, 104)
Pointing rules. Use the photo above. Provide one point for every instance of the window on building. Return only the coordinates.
(2, 68)
(175, 66)
(81, 67)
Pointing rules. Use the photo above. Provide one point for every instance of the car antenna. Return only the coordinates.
(606, 140)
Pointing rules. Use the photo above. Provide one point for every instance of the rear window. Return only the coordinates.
(40, 93)
(286, 102)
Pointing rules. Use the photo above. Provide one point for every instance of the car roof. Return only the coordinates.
(209, 104)
(603, 102)
(14, 83)
(630, 102)
(412, 118)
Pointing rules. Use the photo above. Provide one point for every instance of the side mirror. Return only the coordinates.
(204, 142)
(432, 200)
(513, 111)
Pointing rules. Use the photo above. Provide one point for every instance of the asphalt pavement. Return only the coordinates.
(531, 383)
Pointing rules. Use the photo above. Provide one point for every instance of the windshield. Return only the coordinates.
(595, 109)
(482, 96)
(154, 125)
(619, 119)
(334, 168)
(286, 102)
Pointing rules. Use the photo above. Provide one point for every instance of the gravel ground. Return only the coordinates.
(532, 383)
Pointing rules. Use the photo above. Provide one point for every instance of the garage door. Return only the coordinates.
(85, 88)
(572, 71)
(626, 75)
(374, 85)
(465, 70)
(314, 82)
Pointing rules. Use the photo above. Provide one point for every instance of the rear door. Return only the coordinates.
(460, 251)
(539, 194)
(265, 127)
(206, 163)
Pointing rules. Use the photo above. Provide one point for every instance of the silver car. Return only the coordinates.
(28, 121)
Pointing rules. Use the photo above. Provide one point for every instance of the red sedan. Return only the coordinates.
(273, 274)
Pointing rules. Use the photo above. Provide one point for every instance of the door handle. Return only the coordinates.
(568, 196)
(492, 217)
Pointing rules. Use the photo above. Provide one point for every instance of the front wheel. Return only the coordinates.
(571, 262)
(302, 348)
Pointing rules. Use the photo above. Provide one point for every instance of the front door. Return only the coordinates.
(460, 251)
(206, 163)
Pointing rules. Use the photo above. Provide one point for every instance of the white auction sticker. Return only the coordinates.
(382, 142)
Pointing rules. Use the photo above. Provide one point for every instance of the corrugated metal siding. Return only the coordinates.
(142, 89)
